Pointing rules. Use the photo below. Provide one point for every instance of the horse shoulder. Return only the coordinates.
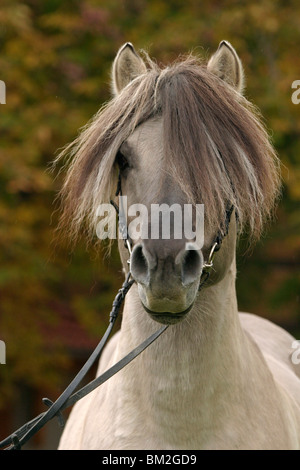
(275, 344)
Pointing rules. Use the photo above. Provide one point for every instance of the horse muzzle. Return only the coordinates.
(168, 274)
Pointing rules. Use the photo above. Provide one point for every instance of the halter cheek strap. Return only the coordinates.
(122, 225)
(215, 247)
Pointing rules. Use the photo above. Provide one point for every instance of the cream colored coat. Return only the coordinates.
(217, 379)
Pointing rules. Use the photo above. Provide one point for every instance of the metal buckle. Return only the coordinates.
(209, 264)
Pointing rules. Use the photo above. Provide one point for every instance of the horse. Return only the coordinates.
(216, 378)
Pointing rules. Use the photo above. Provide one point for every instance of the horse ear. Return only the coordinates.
(225, 63)
(127, 66)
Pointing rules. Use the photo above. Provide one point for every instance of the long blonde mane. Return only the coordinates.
(215, 146)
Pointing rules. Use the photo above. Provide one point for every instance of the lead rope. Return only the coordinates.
(17, 439)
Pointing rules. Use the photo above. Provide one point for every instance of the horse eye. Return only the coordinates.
(122, 161)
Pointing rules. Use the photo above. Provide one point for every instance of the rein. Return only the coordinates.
(17, 439)
(69, 397)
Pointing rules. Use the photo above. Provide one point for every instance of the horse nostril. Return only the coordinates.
(139, 265)
(191, 266)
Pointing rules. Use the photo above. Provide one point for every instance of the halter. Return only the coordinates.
(69, 397)
(215, 247)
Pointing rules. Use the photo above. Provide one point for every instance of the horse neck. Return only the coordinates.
(196, 351)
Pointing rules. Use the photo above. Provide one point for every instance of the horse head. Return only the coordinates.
(175, 137)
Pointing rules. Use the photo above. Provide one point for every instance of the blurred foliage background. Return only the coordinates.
(55, 58)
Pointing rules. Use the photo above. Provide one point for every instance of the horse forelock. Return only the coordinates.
(215, 147)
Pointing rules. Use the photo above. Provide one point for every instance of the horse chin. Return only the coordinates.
(167, 318)
(168, 307)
